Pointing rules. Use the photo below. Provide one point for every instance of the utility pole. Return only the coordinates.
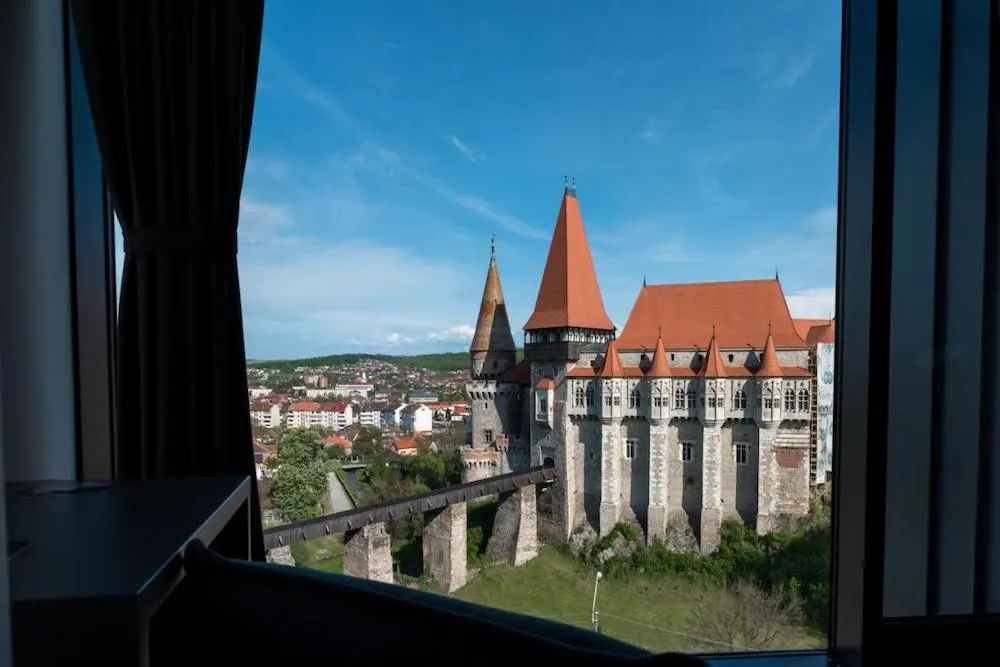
(593, 605)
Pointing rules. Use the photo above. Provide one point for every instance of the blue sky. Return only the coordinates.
(391, 138)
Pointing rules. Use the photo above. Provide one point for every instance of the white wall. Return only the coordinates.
(36, 342)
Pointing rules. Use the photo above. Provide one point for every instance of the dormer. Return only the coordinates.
(714, 384)
(612, 384)
(658, 384)
(769, 386)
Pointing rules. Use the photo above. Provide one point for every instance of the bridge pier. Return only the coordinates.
(368, 554)
(515, 530)
(445, 547)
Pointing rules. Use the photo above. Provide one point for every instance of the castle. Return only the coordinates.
(712, 404)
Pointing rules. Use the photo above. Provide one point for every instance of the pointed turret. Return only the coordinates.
(712, 366)
(612, 366)
(768, 366)
(492, 348)
(569, 296)
(659, 368)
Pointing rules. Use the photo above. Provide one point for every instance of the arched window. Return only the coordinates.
(679, 399)
(739, 400)
(579, 396)
(590, 395)
(635, 398)
(790, 399)
(803, 400)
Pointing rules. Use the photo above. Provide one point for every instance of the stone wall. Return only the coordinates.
(367, 553)
(445, 547)
(515, 531)
(281, 556)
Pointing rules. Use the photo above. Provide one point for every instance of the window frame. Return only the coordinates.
(687, 451)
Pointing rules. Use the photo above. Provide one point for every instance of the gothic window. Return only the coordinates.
(630, 446)
(739, 400)
(687, 452)
(578, 396)
(742, 453)
(679, 402)
(488, 435)
(789, 399)
(803, 400)
(657, 401)
(769, 403)
(590, 395)
(607, 400)
(635, 398)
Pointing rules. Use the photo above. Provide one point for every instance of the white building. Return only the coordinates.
(416, 418)
(257, 392)
(370, 413)
(267, 415)
(304, 414)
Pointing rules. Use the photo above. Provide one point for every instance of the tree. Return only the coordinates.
(740, 615)
(300, 480)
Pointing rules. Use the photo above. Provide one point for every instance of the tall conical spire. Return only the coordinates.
(712, 367)
(569, 294)
(493, 326)
(769, 359)
(612, 366)
(659, 368)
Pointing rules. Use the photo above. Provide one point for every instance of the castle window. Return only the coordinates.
(630, 446)
(739, 400)
(692, 398)
(635, 398)
(488, 435)
(769, 403)
(687, 452)
(607, 400)
(590, 395)
(741, 451)
(803, 400)
(712, 402)
(671, 356)
(578, 396)
(657, 402)
(543, 404)
(617, 400)
(679, 402)
(789, 399)
(731, 358)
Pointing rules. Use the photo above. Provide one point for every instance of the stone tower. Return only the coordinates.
(568, 319)
(495, 408)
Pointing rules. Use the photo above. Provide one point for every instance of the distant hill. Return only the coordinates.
(444, 361)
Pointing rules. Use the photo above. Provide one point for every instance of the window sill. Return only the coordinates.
(768, 659)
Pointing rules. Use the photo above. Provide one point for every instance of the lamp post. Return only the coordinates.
(593, 605)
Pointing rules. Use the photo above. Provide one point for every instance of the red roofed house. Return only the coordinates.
(406, 446)
(339, 441)
(703, 409)
(326, 415)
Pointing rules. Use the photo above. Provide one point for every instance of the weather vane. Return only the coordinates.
(493, 243)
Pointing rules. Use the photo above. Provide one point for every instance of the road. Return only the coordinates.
(339, 500)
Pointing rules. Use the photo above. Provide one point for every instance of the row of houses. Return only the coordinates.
(411, 417)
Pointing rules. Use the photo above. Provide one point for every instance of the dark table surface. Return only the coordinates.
(116, 541)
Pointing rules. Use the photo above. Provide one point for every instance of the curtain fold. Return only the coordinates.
(171, 86)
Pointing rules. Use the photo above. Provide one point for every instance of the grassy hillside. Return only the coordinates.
(444, 361)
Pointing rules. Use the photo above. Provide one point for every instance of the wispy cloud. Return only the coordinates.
(461, 333)
(786, 71)
(651, 132)
(463, 149)
(326, 104)
(824, 219)
(818, 302)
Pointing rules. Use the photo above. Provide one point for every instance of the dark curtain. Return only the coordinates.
(171, 86)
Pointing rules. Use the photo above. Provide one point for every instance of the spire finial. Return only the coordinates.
(493, 245)
(776, 274)
(644, 281)
(769, 327)
(572, 183)
(566, 181)
(659, 332)
(713, 330)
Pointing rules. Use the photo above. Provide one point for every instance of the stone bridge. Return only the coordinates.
(367, 550)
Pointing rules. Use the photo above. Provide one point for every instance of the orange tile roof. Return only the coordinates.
(740, 310)
(304, 406)
(337, 440)
(405, 443)
(660, 367)
(545, 383)
(804, 324)
(612, 367)
(519, 374)
(569, 294)
(769, 360)
(493, 325)
(824, 333)
(712, 366)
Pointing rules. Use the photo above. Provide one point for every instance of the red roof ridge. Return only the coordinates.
(712, 282)
(712, 367)
(612, 366)
(768, 366)
(659, 368)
